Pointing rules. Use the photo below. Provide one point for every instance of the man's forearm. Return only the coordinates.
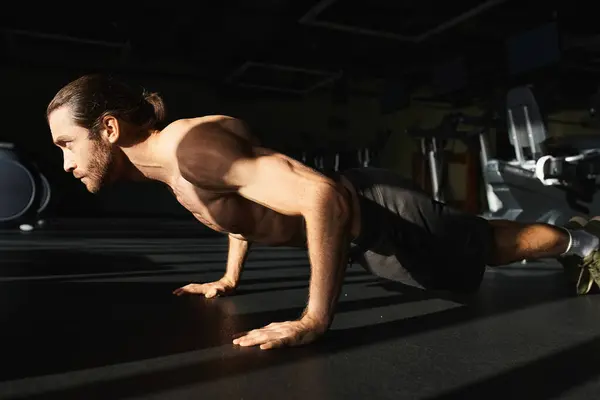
(328, 240)
(236, 258)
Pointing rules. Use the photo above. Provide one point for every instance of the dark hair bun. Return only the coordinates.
(157, 104)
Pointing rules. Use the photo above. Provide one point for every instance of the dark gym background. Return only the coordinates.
(86, 304)
(381, 67)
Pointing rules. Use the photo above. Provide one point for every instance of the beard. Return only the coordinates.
(100, 169)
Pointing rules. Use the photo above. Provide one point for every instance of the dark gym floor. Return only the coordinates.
(86, 312)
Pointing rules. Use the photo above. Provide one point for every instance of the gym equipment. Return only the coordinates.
(549, 180)
(364, 157)
(25, 191)
(433, 142)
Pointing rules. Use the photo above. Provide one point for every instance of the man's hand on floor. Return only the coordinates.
(221, 287)
(282, 334)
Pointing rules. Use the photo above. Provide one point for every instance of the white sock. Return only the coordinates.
(581, 243)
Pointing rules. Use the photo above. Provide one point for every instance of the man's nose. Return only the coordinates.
(68, 165)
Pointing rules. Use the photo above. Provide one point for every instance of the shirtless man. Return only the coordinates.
(216, 169)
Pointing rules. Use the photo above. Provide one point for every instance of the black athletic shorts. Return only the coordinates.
(409, 237)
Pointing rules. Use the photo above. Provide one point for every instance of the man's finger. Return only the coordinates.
(250, 339)
(241, 338)
(254, 338)
(192, 288)
(273, 344)
(181, 290)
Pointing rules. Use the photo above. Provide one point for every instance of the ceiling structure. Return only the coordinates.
(298, 46)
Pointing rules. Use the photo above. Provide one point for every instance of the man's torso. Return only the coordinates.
(230, 213)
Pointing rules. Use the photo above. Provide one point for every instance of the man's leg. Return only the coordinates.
(516, 241)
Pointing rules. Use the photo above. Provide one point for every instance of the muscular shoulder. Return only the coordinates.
(207, 149)
(233, 125)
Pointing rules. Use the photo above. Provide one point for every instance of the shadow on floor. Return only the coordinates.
(23, 263)
(70, 326)
(114, 323)
(14, 271)
(74, 324)
(545, 378)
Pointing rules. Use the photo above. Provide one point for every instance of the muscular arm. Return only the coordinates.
(213, 158)
(236, 258)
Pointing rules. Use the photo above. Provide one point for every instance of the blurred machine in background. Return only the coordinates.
(550, 179)
(25, 192)
(547, 179)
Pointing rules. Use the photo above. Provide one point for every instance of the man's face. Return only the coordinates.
(90, 160)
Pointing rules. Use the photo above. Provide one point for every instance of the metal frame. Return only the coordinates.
(328, 77)
(310, 19)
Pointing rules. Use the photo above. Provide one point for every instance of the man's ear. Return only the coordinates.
(111, 129)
